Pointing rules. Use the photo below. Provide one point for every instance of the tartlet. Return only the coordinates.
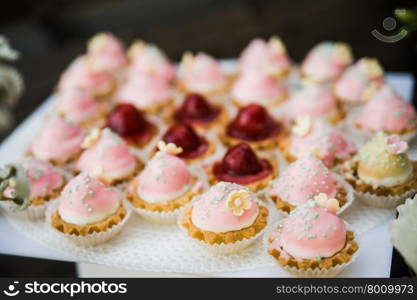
(225, 219)
(312, 242)
(255, 126)
(325, 62)
(59, 141)
(359, 81)
(241, 165)
(259, 88)
(201, 74)
(316, 137)
(107, 157)
(265, 56)
(132, 125)
(88, 212)
(164, 187)
(381, 174)
(309, 179)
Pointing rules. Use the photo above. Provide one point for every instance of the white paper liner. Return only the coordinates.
(316, 272)
(94, 238)
(387, 202)
(229, 248)
(31, 213)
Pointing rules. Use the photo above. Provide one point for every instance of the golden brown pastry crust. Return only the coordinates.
(167, 206)
(224, 237)
(341, 257)
(349, 171)
(42, 200)
(83, 230)
(254, 186)
(182, 87)
(282, 205)
(404, 131)
(267, 144)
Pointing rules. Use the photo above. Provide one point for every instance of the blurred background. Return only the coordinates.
(50, 33)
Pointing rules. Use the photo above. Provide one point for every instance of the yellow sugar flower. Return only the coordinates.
(238, 202)
(331, 204)
(170, 148)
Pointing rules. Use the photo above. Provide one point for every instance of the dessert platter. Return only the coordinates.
(209, 165)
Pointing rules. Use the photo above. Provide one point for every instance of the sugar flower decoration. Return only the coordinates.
(187, 59)
(238, 202)
(372, 67)
(302, 126)
(136, 48)
(277, 45)
(331, 204)
(91, 138)
(395, 145)
(170, 148)
(344, 52)
(97, 42)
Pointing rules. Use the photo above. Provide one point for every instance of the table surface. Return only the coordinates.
(376, 243)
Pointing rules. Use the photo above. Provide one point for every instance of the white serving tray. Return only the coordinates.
(376, 249)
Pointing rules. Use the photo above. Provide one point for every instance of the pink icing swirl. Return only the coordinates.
(86, 200)
(58, 140)
(387, 111)
(302, 180)
(211, 213)
(44, 178)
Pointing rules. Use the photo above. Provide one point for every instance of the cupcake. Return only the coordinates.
(132, 125)
(195, 147)
(44, 183)
(59, 141)
(255, 126)
(146, 92)
(382, 174)
(225, 219)
(241, 165)
(359, 81)
(82, 74)
(106, 53)
(269, 56)
(326, 62)
(202, 74)
(149, 59)
(258, 88)
(107, 158)
(387, 111)
(80, 107)
(198, 112)
(312, 242)
(309, 179)
(164, 187)
(316, 101)
(317, 137)
(88, 212)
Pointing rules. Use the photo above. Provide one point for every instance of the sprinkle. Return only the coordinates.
(91, 194)
(311, 236)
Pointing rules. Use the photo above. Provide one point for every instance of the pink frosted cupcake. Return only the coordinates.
(106, 53)
(225, 219)
(269, 56)
(58, 142)
(359, 81)
(164, 187)
(79, 107)
(83, 74)
(88, 211)
(326, 62)
(387, 111)
(146, 92)
(318, 138)
(107, 157)
(44, 183)
(316, 101)
(259, 88)
(312, 242)
(308, 179)
(149, 59)
(202, 74)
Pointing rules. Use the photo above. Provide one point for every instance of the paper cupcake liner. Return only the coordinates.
(316, 272)
(93, 238)
(387, 202)
(166, 218)
(229, 248)
(32, 213)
